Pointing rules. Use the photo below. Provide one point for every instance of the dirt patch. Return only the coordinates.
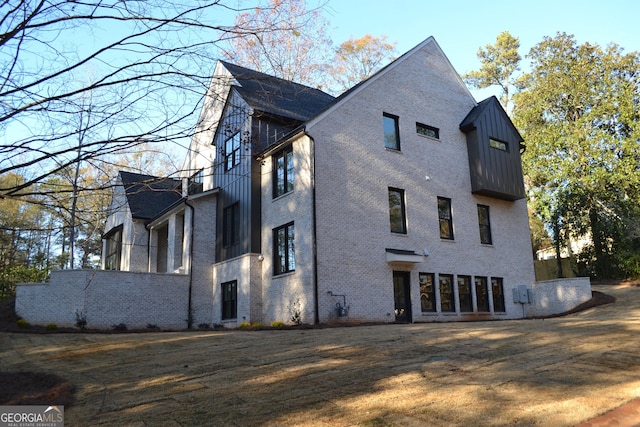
(33, 388)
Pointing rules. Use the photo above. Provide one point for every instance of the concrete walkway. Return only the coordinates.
(553, 372)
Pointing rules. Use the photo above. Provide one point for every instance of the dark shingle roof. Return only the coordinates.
(149, 195)
(277, 96)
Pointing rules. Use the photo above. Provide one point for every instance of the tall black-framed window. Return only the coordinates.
(446, 292)
(391, 131)
(284, 255)
(230, 300)
(283, 172)
(484, 224)
(427, 292)
(482, 295)
(113, 248)
(397, 213)
(232, 151)
(231, 225)
(497, 291)
(464, 294)
(444, 218)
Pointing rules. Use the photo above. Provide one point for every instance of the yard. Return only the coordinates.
(559, 372)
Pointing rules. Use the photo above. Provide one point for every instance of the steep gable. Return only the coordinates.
(148, 195)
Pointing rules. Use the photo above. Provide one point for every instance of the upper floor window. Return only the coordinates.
(284, 255)
(196, 182)
(484, 224)
(444, 218)
(500, 145)
(231, 225)
(113, 249)
(232, 151)
(427, 130)
(391, 131)
(397, 215)
(283, 172)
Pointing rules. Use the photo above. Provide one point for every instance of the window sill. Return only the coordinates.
(282, 196)
(393, 150)
(288, 273)
(447, 240)
(429, 137)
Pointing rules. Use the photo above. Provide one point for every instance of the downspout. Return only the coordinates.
(314, 232)
(193, 217)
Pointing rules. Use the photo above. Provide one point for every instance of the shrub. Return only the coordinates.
(244, 325)
(51, 327)
(22, 323)
(277, 324)
(81, 319)
(121, 327)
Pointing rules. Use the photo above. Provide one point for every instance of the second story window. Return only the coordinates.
(232, 151)
(397, 215)
(231, 225)
(391, 131)
(283, 172)
(484, 224)
(427, 130)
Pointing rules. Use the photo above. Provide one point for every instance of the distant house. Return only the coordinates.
(400, 200)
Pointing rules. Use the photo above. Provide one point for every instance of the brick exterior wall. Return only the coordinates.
(354, 172)
(106, 298)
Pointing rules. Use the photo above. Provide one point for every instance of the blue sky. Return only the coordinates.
(461, 27)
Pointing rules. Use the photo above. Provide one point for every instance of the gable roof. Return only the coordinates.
(483, 106)
(149, 195)
(276, 96)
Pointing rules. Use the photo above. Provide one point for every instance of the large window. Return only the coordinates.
(497, 291)
(230, 300)
(464, 294)
(427, 292)
(484, 224)
(482, 296)
(444, 217)
(397, 215)
(232, 151)
(231, 225)
(113, 249)
(283, 249)
(391, 131)
(283, 172)
(446, 292)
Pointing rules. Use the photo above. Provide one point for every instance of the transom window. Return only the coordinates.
(484, 224)
(427, 130)
(283, 172)
(444, 218)
(391, 131)
(500, 145)
(232, 151)
(230, 300)
(283, 249)
(397, 215)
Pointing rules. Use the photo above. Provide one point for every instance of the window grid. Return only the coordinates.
(283, 173)
(444, 218)
(484, 224)
(232, 151)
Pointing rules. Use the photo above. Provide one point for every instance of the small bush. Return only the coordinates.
(81, 319)
(256, 325)
(51, 327)
(277, 324)
(120, 327)
(244, 325)
(22, 323)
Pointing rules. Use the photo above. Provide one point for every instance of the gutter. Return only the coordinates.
(189, 305)
(314, 231)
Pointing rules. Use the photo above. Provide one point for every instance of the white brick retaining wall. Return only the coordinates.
(106, 298)
(559, 295)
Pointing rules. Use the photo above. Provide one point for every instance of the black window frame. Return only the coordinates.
(283, 177)
(402, 229)
(395, 146)
(465, 299)
(113, 248)
(445, 222)
(484, 228)
(427, 292)
(498, 144)
(229, 300)
(284, 242)
(497, 292)
(232, 152)
(450, 297)
(480, 285)
(428, 131)
(231, 225)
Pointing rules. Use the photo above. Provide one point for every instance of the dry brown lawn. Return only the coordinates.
(551, 372)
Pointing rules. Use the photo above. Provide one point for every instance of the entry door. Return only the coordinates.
(402, 295)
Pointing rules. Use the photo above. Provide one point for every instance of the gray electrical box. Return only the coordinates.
(522, 295)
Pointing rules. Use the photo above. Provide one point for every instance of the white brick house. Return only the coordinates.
(401, 200)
